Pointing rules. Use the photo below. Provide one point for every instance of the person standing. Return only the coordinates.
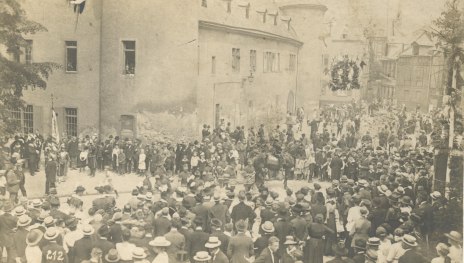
(73, 151)
(160, 245)
(268, 254)
(7, 226)
(213, 246)
(51, 168)
(52, 252)
(15, 180)
(240, 246)
(410, 254)
(33, 253)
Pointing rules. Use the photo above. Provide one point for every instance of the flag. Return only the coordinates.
(55, 131)
(79, 5)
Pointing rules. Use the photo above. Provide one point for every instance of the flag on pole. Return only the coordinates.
(55, 131)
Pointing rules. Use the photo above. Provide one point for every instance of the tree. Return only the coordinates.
(448, 31)
(15, 76)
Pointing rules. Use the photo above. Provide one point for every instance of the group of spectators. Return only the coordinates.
(378, 203)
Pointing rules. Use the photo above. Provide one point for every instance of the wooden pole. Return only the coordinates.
(451, 133)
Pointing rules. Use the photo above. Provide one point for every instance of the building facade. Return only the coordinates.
(151, 68)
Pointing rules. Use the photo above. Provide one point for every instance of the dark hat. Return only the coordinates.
(340, 249)
(34, 237)
(360, 244)
(104, 231)
(241, 225)
(216, 222)
(79, 189)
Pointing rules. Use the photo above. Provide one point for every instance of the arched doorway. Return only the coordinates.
(291, 103)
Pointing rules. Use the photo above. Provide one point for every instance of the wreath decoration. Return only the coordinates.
(344, 75)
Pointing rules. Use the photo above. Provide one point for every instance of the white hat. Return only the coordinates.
(159, 242)
(213, 242)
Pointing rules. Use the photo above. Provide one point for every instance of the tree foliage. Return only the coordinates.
(14, 75)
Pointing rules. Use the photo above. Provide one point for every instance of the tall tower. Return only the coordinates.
(307, 21)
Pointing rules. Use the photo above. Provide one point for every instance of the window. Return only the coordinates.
(204, 3)
(16, 117)
(71, 121)
(29, 119)
(271, 62)
(71, 56)
(253, 60)
(292, 62)
(129, 57)
(23, 119)
(213, 65)
(28, 52)
(236, 59)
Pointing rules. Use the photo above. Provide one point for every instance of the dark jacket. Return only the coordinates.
(266, 257)
(7, 224)
(197, 243)
(220, 257)
(82, 249)
(411, 256)
(50, 171)
(104, 245)
(161, 226)
(223, 238)
(243, 211)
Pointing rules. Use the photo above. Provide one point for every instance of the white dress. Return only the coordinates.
(142, 165)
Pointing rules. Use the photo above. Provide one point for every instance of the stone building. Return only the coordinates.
(149, 67)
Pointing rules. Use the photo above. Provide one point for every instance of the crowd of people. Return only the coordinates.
(371, 199)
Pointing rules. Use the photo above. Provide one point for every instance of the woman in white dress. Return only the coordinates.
(142, 164)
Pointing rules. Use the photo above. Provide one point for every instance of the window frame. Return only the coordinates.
(22, 115)
(71, 127)
(68, 48)
(253, 60)
(125, 50)
(235, 60)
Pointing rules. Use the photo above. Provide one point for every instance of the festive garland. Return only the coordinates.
(340, 75)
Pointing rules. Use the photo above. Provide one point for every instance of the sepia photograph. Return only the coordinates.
(231, 131)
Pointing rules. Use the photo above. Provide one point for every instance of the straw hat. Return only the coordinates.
(202, 256)
(409, 240)
(213, 242)
(112, 256)
(268, 227)
(24, 220)
(289, 240)
(19, 211)
(159, 242)
(88, 230)
(138, 253)
(455, 236)
(51, 233)
(34, 237)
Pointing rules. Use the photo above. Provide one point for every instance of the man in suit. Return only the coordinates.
(102, 241)
(83, 247)
(216, 231)
(213, 246)
(241, 211)
(240, 246)
(410, 255)
(161, 224)
(197, 242)
(73, 151)
(219, 211)
(262, 242)
(7, 226)
(129, 152)
(267, 214)
(268, 254)
(177, 241)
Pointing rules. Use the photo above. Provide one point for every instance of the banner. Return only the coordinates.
(55, 131)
